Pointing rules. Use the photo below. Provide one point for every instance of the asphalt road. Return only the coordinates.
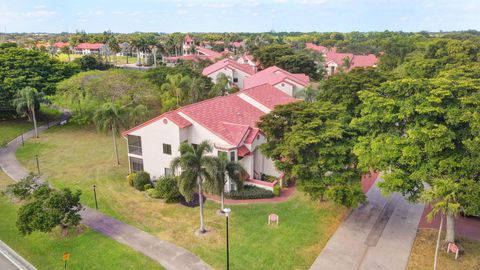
(5, 264)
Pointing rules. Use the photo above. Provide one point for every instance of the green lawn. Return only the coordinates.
(423, 252)
(9, 129)
(64, 57)
(89, 250)
(78, 157)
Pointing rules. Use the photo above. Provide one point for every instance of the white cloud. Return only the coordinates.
(182, 12)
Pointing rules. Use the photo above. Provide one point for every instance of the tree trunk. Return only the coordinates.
(138, 57)
(115, 145)
(200, 200)
(155, 58)
(450, 237)
(34, 122)
(438, 242)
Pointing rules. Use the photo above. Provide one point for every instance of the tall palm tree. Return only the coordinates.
(222, 85)
(224, 170)
(195, 166)
(443, 197)
(309, 94)
(196, 91)
(109, 118)
(177, 84)
(27, 102)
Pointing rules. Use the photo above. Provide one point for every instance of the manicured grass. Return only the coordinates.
(89, 250)
(64, 57)
(78, 157)
(9, 129)
(423, 253)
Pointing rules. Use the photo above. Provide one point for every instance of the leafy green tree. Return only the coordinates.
(91, 62)
(48, 209)
(66, 50)
(195, 166)
(312, 142)
(422, 130)
(444, 200)
(109, 118)
(138, 114)
(222, 85)
(299, 63)
(269, 55)
(27, 103)
(24, 188)
(222, 171)
(20, 68)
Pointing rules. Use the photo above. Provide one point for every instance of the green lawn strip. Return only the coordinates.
(9, 129)
(89, 250)
(77, 157)
(423, 253)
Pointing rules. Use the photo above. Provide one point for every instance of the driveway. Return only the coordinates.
(377, 235)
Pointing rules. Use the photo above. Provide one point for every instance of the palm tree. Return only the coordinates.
(346, 63)
(109, 117)
(443, 197)
(222, 85)
(27, 102)
(195, 93)
(114, 47)
(309, 94)
(223, 168)
(195, 166)
(138, 114)
(177, 84)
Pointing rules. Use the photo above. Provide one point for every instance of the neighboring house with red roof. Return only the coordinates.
(334, 60)
(287, 82)
(88, 48)
(236, 72)
(227, 122)
(192, 52)
(248, 59)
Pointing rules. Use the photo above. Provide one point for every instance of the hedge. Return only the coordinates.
(249, 192)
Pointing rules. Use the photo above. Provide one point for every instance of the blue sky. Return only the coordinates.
(237, 15)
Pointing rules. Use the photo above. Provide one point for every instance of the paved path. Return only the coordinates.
(168, 255)
(10, 260)
(377, 235)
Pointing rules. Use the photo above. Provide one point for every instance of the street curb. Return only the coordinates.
(14, 258)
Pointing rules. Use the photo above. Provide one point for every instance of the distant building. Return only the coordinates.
(334, 60)
(248, 59)
(88, 48)
(192, 52)
(283, 80)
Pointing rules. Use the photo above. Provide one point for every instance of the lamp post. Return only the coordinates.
(95, 195)
(38, 165)
(227, 213)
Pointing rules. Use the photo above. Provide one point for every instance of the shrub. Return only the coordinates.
(249, 192)
(167, 189)
(268, 178)
(147, 187)
(276, 190)
(153, 193)
(130, 178)
(140, 180)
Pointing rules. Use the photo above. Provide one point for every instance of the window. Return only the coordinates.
(135, 145)
(167, 149)
(235, 80)
(222, 154)
(136, 164)
(232, 156)
(168, 172)
(195, 146)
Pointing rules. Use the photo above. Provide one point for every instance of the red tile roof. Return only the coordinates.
(229, 117)
(208, 52)
(227, 63)
(89, 46)
(243, 151)
(356, 60)
(188, 38)
(61, 44)
(274, 75)
(268, 95)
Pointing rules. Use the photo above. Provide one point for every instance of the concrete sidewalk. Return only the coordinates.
(377, 235)
(167, 254)
(10, 260)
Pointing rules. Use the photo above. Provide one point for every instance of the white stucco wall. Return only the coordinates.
(153, 137)
(232, 73)
(289, 87)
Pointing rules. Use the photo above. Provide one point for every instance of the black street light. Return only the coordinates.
(95, 195)
(227, 213)
(38, 165)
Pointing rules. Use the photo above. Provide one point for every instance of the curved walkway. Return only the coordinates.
(167, 254)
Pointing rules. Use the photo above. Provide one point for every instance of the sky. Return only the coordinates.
(237, 15)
